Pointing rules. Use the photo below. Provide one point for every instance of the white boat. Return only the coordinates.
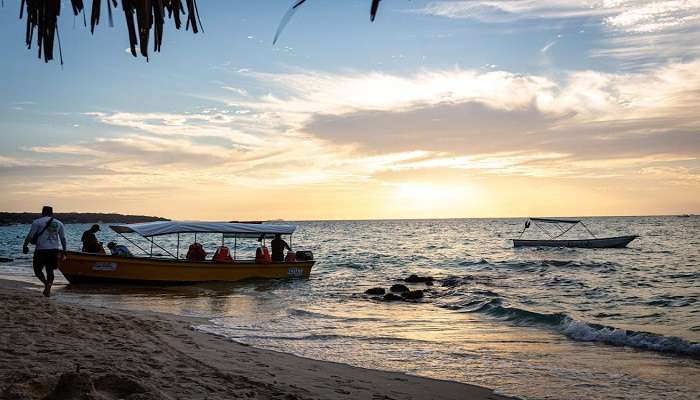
(555, 241)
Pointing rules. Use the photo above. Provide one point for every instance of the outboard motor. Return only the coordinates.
(305, 255)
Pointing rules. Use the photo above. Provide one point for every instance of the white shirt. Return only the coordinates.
(53, 238)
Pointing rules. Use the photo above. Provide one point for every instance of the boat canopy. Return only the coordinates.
(556, 221)
(230, 229)
(562, 230)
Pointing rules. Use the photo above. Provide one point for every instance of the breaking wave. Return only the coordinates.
(585, 331)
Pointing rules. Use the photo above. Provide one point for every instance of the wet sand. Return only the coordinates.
(55, 350)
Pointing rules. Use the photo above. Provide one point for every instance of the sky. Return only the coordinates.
(438, 109)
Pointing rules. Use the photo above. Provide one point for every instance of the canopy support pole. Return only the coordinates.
(139, 247)
(235, 244)
(588, 230)
(543, 230)
(521, 232)
(160, 247)
(178, 247)
(567, 229)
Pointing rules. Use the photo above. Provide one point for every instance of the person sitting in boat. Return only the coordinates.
(278, 246)
(90, 243)
(196, 252)
(222, 254)
(119, 250)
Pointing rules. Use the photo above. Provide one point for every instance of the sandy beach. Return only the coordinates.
(55, 350)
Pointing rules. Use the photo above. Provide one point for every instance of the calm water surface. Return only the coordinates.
(535, 323)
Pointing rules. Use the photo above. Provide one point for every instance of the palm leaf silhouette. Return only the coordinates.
(141, 17)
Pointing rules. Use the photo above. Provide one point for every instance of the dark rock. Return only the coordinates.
(73, 385)
(429, 283)
(419, 279)
(413, 295)
(399, 288)
(453, 281)
(392, 297)
(375, 290)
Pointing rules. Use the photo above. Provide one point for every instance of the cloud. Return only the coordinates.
(305, 94)
(583, 96)
(637, 31)
(337, 131)
(624, 15)
(511, 10)
(653, 16)
(455, 113)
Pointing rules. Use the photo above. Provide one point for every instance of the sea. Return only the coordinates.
(536, 323)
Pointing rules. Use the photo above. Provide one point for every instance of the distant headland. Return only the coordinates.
(10, 218)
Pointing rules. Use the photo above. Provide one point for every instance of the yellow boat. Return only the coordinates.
(80, 267)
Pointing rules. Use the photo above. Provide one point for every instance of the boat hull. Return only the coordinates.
(601, 243)
(97, 268)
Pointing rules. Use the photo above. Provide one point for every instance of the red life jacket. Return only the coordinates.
(222, 254)
(291, 256)
(262, 255)
(196, 252)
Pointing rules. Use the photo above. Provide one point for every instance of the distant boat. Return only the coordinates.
(555, 241)
(684, 216)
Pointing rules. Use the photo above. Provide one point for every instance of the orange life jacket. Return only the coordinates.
(222, 254)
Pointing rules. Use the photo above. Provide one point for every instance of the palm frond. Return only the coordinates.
(285, 19)
(141, 16)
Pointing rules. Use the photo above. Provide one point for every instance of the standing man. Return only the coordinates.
(49, 239)
(278, 245)
(90, 243)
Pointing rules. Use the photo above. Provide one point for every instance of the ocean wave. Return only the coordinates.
(590, 332)
(233, 334)
(296, 312)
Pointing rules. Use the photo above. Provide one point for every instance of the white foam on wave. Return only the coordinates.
(584, 332)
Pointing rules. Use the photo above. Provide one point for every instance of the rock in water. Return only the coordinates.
(413, 295)
(375, 290)
(399, 288)
(419, 279)
(392, 297)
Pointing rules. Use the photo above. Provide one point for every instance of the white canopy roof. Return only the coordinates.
(148, 229)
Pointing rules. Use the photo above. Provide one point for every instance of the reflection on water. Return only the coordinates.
(539, 323)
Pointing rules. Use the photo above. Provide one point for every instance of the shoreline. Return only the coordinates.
(59, 350)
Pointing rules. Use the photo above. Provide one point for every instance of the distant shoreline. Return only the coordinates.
(12, 218)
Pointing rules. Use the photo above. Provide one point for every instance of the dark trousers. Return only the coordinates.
(45, 259)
